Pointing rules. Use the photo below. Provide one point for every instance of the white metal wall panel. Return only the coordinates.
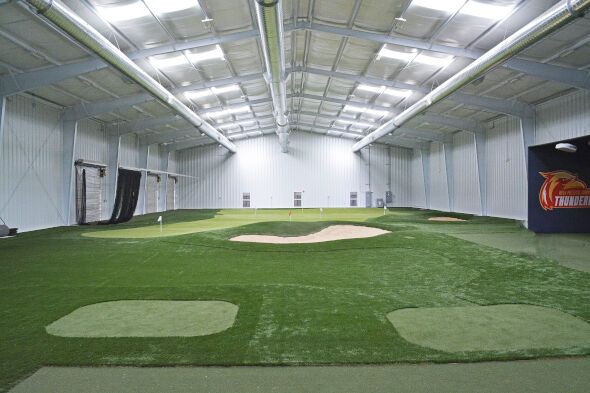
(505, 167)
(417, 181)
(563, 118)
(322, 166)
(172, 162)
(129, 150)
(154, 161)
(92, 142)
(400, 176)
(152, 192)
(170, 193)
(31, 166)
(466, 186)
(379, 171)
(439, 195)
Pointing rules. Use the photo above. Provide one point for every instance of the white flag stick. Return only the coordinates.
(160, 221)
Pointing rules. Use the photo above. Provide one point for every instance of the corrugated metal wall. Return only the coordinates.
(465, 184)
(563, 118)
(401, 160)
(128, 151)
(505, 167)
(418, 198)
(322, 167)
(439, 195)
(30, 171)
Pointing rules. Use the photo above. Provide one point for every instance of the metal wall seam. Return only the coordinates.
(439, 199)
(563, 118)
(466, 188)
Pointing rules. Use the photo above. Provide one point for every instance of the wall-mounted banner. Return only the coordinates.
(562, 190)
(559, 197)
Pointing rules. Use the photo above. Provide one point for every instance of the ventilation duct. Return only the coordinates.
(270, 23)
(91, 39)
(539, 28)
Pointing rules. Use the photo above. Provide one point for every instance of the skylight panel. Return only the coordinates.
(118, 13)
(168, 6)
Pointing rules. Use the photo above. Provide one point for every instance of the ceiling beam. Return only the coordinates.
(201, 141)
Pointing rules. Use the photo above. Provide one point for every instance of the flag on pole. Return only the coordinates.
(289, 213)
(160, 219)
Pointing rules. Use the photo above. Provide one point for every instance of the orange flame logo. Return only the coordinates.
(563, 189)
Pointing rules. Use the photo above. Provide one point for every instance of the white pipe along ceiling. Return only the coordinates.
(556, 17)
(91, 39)
(269, 14)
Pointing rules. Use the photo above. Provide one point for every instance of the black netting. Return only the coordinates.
(80, 196)
(127, 195)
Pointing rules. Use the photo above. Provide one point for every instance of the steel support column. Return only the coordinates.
(164, 160)
(70, 131)
(425, 154)
(448, 150)
(480, 152)
(143, 160)
(113, 169)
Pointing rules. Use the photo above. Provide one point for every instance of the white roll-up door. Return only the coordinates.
(151, 194)
(170, 193)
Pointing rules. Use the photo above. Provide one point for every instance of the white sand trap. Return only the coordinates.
(146, 318)
(331, 233)
(444, 219)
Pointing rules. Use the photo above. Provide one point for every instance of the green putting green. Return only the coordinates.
(505, 327)
(235, 218)
(146, 318)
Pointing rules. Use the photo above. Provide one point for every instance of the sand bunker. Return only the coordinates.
(146, 318)
(334, 232)
(444, 219)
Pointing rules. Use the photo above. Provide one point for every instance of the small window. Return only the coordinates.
(246, 199)
(297, 199)
(353, 199)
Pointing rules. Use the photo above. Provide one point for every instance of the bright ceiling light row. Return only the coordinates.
(385, 90)
(357, 123)
(181, 59)
(362, 109)
(138, 9)
(471, 8)
(416, 58)
(229, 111)
(208, 92)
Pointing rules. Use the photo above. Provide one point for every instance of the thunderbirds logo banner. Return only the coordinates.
(563, 189)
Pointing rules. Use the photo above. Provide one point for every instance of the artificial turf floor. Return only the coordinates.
(323, 303)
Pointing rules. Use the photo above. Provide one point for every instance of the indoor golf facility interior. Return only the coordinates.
(294, 196)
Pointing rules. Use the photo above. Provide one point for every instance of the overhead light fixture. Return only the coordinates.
(362, 109)
(229, 111)
(120, 13)
(566, 147)
(216, 53)
(412, 56)
(355, 122)
(168, 62)
(448, 6)
(208, 92)
(371, 89)
(485, 10)
(169, 6)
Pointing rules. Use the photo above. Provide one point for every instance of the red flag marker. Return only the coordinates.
(289, 212)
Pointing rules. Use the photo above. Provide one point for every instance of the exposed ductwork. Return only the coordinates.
(548, 22)
(270, 23)
(91, 39)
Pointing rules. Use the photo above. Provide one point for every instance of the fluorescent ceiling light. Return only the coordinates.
(120, 13)
(448, 6)
(398, 93)
(168, 6)
(229, 111)
(352, 108)
(207, 92)
(371, 89)
(411, 56)
(485, 10)
(216, 53)
(355, 122)
(169, 62)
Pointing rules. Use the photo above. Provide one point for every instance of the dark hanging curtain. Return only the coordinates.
(127, 195)
(81, 196)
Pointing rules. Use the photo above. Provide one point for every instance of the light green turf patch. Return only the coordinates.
(146, 318)
(490, 328)
(570, 250)
(237, 217)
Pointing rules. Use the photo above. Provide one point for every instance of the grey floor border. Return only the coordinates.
(545, 375)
